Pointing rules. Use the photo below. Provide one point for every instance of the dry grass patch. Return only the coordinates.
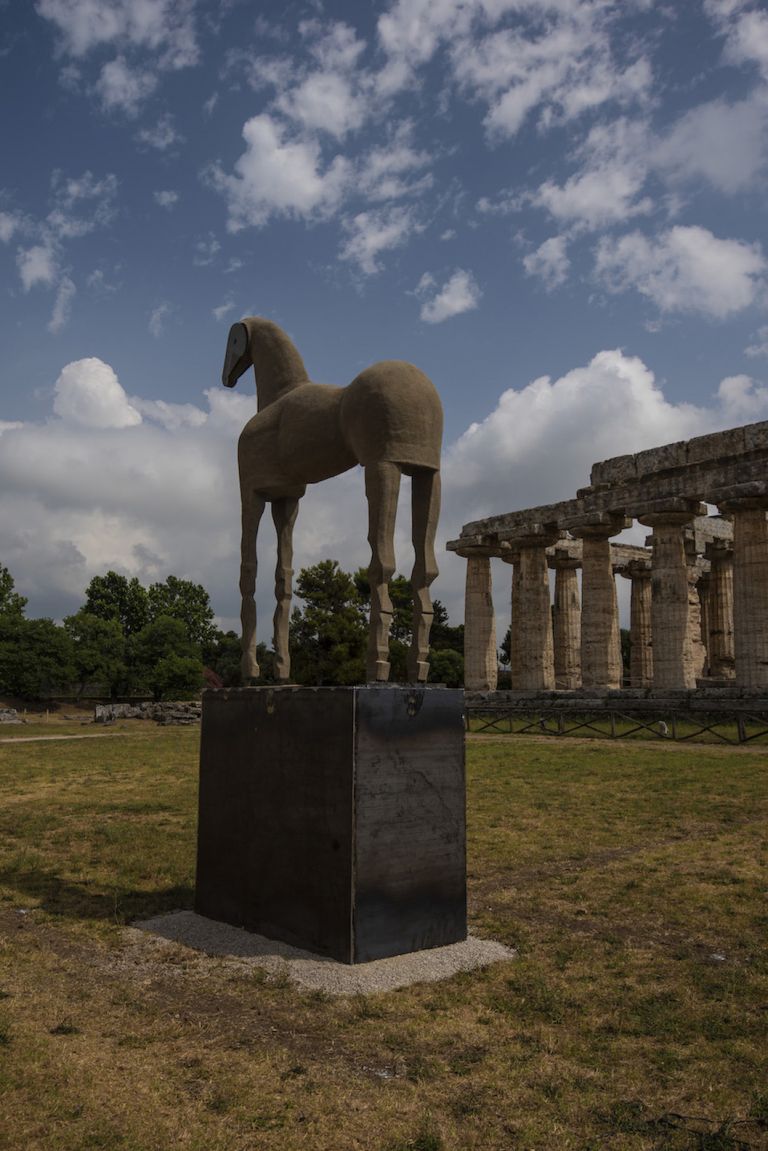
(631, 878)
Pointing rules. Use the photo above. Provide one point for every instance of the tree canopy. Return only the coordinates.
(129, 640)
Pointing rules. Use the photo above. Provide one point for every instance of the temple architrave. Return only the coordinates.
(699, 588)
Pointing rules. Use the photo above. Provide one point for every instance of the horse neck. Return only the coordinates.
(277, 365)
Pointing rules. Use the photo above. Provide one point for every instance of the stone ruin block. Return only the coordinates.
(716, 446)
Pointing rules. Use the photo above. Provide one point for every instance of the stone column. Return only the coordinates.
(480, 656)
(566, 620)
(722, 664)
(600, 635)
(532, 666)
(696, 646)
(703, 586)
(750, 591)
(673, 657)
(641, 653)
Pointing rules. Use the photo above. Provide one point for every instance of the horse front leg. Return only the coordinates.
(425, 509)
(284, 514)
(382, 486)
(252, 511)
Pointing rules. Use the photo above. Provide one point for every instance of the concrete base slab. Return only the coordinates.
(318, 973)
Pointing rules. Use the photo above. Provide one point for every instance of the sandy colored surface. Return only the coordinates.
(313, 972)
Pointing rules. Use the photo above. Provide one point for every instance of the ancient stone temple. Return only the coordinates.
(699, 588)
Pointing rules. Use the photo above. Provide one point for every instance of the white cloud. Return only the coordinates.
(333, 94)
(743, 398)
(720, 142)
(165, 27)
(95, 195)
(89, 394)
(9, 223)
(324, 102)
(206, 251)
(166, 198)
(561, 62)
(275, 176)
(549, 262)
(385, 171)
(595, 198)
(139, 496)
(62, 305)
(760, 348)
(157, 318)
(171, 416)
(374, 232)
(162, 135)
(223, 310)
(460, 293)
(606, 188)
(124, 88)
(37, 265)
(744, 24)
(686, 269)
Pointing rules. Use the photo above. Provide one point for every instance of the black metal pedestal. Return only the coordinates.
(334, 818)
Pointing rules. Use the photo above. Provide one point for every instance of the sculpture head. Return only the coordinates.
(237, 358)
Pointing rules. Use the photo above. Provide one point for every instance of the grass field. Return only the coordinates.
(632, 879)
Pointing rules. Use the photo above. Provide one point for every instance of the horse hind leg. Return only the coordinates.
(382, 486)
(284, 514)
(252, 511)
(425, 510)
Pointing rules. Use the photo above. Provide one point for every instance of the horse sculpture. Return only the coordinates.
(389, 420)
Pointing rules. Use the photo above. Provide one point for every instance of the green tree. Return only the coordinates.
(98, 649)
(446, 666)
(626, 650)
(329, 635)
(114, 596)
(11, 603)
(186, 601)
(36, 657)
(163, 660)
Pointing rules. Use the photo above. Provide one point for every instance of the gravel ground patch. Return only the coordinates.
(317, 973)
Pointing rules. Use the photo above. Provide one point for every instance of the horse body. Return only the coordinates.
(389, 420)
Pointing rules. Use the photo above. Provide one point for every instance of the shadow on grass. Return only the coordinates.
(71, 900)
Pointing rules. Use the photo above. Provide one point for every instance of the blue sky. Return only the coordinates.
(556, 209)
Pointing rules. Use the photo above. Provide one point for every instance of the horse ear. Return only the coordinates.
(236, 358)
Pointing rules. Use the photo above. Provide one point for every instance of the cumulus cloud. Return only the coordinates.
(136, 484)
(278, 176)
(743, 398)
(460, 293)
(89, 394)
(686, 269)
(722, 142)
(549, 262)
